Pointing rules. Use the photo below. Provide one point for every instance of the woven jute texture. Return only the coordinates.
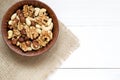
(16, 67)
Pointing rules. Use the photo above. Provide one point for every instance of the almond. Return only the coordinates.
(22, 18)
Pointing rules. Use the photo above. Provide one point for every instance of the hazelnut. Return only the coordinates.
(23, 35)
(23, 31)
(21, 39)
(18, 12)
(33, 23)
(16, 20)
(26, 38)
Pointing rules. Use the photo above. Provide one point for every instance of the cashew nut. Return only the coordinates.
(17, 18)
(10, 34)
(49, 21)
(37, 10)
(50, 34)
(38, 26)
(18, 44)
(29, 49)
(38, 30)
(13, 16)
(10, 22)
(43, 10)
(28, 22)
(48, 28)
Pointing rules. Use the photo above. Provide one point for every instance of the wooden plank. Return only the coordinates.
(99, 48)
(87, 12)
(80, 74)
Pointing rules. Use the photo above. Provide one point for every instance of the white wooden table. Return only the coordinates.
(97, 25)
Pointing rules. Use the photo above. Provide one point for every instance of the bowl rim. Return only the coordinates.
(30, 53)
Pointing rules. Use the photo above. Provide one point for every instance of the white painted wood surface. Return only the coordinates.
(96, 23)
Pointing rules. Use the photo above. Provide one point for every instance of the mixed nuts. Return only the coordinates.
(30, 28)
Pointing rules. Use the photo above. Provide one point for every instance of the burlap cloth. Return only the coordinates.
(16, 67)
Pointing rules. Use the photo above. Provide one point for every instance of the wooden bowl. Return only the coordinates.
(12, 10)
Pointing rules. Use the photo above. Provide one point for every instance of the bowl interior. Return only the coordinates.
(12, 10)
